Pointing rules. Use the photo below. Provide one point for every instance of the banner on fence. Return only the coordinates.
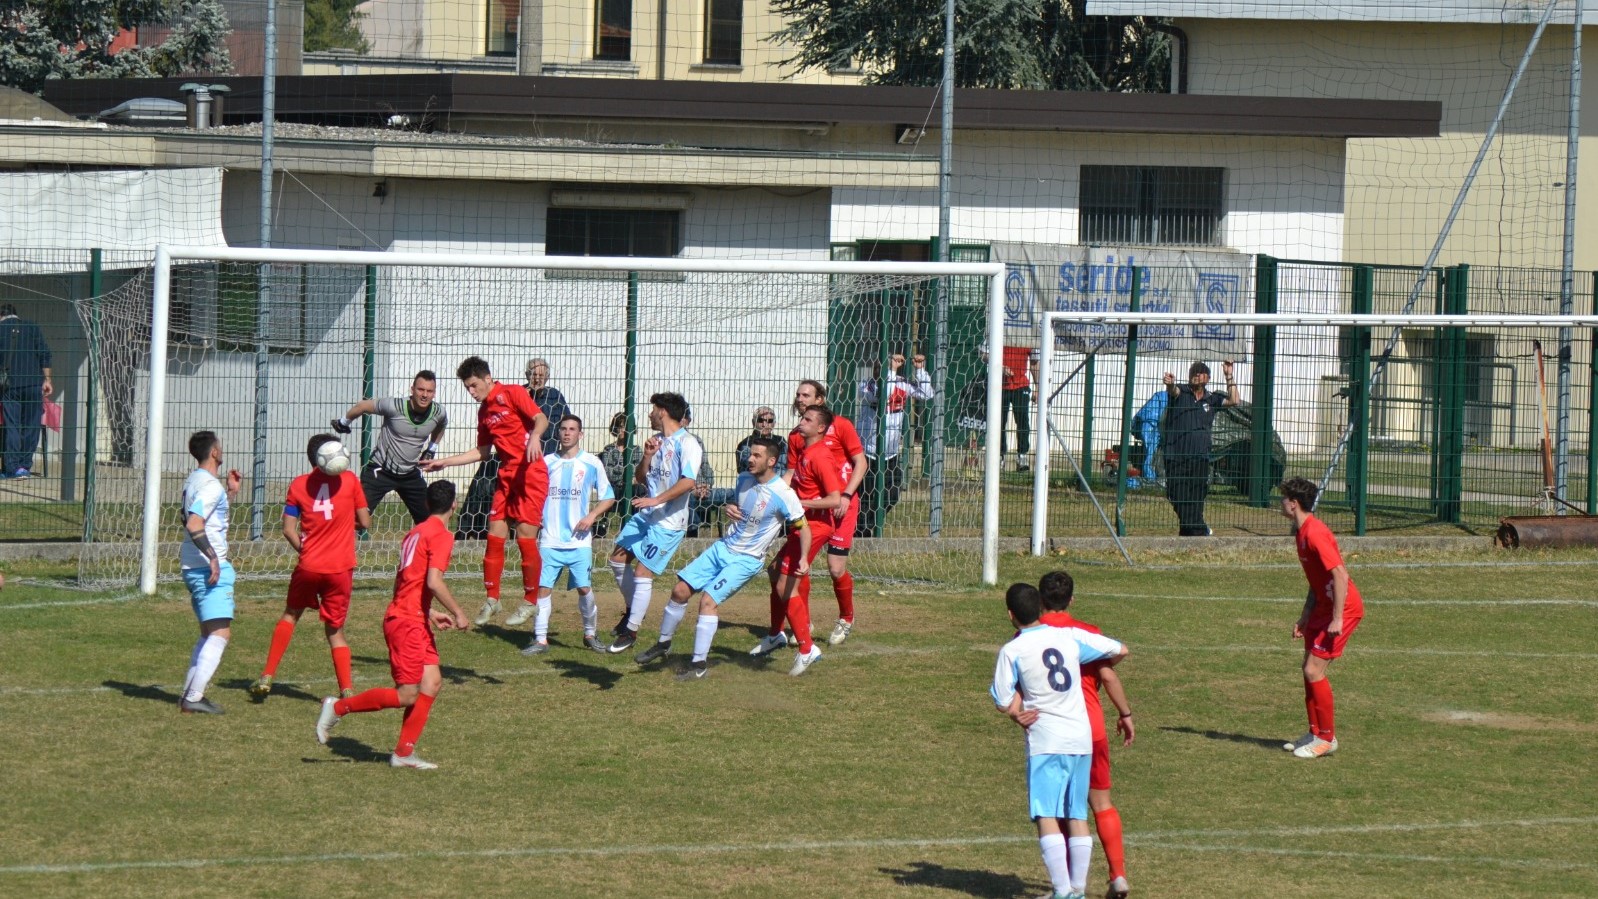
(1056, 278)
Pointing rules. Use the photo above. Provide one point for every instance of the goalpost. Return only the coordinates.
(1445, 416)
(196, 339)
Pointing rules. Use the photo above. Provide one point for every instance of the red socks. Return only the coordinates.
(799, 614)
(843, 586)
(373, 700)
(493, 566)
(1319, 696)
(341, 668)
(281, 635)
(411, 728)
(532, 566)
(1108, 823)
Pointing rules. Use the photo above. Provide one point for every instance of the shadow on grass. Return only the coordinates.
(450, 673)
(514, 636)
(743, 659)
(969, 881)
(347, 750)
(1262, 742)
(142, 691)
(603, 678)
(285, 691)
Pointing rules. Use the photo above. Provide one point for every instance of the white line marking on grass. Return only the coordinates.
(1157, 840)
(1379, 603)
(1297, 648)
(1408, 858)
(61, 603)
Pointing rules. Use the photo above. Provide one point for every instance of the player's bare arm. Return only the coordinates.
(641, 470)
(1227, 368)
(469, 457)
(195, 525)
(832, 502)
(1019, 713)
(682, 486)
(1339, 598)
(805, 538)
(600, 508)
(363, 519)
(857, 473)
(440, 591)
(291, 533)
(1303, 615)
(1123, 707)
(234, 482)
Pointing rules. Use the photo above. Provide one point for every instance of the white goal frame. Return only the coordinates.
(1045, 348)
(166, 256)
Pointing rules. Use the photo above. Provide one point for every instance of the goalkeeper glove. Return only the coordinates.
(341, 425)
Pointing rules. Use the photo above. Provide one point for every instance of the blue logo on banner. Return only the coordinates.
(1017, 297)
(1218, 293)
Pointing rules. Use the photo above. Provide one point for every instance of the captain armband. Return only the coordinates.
(799, 524)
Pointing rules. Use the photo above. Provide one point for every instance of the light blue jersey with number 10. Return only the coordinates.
(1044, 664)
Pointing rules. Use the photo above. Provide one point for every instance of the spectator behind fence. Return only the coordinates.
(704, 481)
(899, 394)
(550, 401)
(1187, 443)
(24, 386)
(1020, 373)
(620, 458)
(764, 421)
(1147, 424)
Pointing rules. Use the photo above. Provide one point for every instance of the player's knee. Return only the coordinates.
(707, 606)
(432, 681)
(1099, 800)
(681, 593)
(407, 693)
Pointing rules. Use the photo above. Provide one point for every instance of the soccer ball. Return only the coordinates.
(332, 458)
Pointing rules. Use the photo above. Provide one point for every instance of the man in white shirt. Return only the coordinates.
(206, 572)
(899, 392)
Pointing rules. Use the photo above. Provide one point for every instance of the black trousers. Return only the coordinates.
(1019, 404)
(22, 406)
(1187, 484)
(412, 489)
(870, 525)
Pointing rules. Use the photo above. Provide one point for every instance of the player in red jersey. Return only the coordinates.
(320, 516)
(850, 455)
(1057, 590)
(814, 477)
(412, 652)
(1332, 610)
(507, 418)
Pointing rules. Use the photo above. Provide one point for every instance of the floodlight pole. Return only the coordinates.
(940, 311)
(263, 360)
(1567, 287)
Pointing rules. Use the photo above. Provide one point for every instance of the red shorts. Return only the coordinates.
(788, 559)
(519, 494)
(843, 535)
(1099, 775)
(329, 594)
(1322, 645)
(410, 649)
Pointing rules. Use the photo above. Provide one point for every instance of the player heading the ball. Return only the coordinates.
(410, 433)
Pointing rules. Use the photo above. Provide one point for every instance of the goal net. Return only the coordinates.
(265, 347)
(1409, 423)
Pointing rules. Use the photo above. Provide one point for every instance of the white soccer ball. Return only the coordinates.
(332, 458)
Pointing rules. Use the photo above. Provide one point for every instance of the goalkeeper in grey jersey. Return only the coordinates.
(411, 430)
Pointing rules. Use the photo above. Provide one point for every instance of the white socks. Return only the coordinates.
(1056, 861)
(624, 579)
(670, 619)
(589, 610)
(704, 635)
(1081, 851)
(206, 658)
(541, 623)
(643, 587)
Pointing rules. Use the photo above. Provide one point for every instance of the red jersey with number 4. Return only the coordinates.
(816, 476)
(1318, 553)
(505, 418)
(841, 439)
(1090, 671)
(428, 545)
(326, 509)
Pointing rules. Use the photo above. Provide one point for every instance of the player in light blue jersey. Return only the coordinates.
(767, 507)
(1037, 682)
(567, 540)
(650, 537)
(206, 571)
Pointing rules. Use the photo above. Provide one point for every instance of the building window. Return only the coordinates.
(613, 232)
(724, 32)
(503, 18)
(1151, 205)
(613, 37)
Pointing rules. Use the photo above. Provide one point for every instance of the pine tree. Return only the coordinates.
(47, 39)
(333, 25)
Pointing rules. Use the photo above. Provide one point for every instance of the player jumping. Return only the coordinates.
(412, 652)
(410, 433)
(320, 516)
(850, 456)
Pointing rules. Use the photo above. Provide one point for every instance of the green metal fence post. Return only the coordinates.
(1592, 409)
(369, 360)
(1357, 471)
(91, 451)
(630, 391)
(1450, 452)
(1128, 393)
(1260, 482)
(1087, 412)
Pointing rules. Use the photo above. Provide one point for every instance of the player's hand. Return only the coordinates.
(431, 465)
(234, 480)
(1123, 726)
(919, 360)
(1298, 628)
(645, 502)
(1025, 717)
(585, 525)
(49, 389)
(1227, 367)
(441, 619)
(1333, 629)
(1168, 379)
(215, 575)
(701, 491)
(732, 512)
(652, 444)
(462, 623)
(340, 426)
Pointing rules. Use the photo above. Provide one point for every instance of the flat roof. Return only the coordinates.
(449, 98)
(1478, 12)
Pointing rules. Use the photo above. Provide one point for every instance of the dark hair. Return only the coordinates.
(1056, 589)
(1302, 491)
(8, 309)
(201, 443)
(821, 410)
(619, 420)
(473, 367)
(820, 388)
(425, 374)
(1024, 603)
(772, 445)
(570, 417)
(316, 443)
(672, 404)
(440, 496)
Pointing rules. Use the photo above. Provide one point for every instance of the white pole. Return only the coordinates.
(990, 471)
(149, 540)
(1040, 473)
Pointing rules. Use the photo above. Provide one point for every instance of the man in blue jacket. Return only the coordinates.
(25, 376)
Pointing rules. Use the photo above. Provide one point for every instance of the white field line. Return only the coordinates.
(63, 603)
(1154, 840)
(1375, 603)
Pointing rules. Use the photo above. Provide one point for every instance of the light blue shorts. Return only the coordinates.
(1058, 785)
(720, 572)
(210, 603)
(649, 543)
(578, 563)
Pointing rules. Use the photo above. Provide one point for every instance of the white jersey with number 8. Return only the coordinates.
(1044, 664)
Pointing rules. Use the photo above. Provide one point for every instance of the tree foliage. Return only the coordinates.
(45, 39)
(1025, 44)
(334, 25)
